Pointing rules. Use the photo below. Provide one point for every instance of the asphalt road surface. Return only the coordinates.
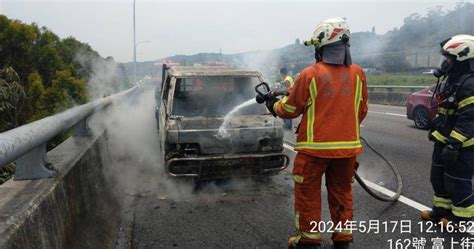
(250, 214)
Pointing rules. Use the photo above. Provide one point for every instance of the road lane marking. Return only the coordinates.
(390, 114)
(402, 199)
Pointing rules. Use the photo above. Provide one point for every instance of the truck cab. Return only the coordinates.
(191, 109)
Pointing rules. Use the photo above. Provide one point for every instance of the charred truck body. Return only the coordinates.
(191, 108)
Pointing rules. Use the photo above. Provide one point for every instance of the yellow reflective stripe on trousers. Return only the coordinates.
(343, 232)
(287, 107)
(464, 212)
(311, 235)
(465, 102)
(297, 220)
(442, 202)
(313, 90)
(314, 235)
(298, 178)
(458, 136)
(329, 145)
(357, 101)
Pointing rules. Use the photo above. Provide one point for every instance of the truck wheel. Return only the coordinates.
(422, 118)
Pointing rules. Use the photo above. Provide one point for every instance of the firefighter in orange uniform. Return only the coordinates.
(332, 97)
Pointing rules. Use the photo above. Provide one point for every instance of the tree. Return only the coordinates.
(12, 97)
(65, 92)
(36, 97)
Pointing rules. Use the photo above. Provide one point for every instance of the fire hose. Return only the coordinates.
(264, 94)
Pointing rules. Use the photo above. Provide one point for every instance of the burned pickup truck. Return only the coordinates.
(197, 136)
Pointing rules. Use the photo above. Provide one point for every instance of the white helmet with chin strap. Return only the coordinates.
(331, 42)
(330, 31)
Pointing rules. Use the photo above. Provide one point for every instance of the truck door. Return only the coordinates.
(164, 110)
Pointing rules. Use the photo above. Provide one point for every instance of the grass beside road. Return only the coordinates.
(401, 79)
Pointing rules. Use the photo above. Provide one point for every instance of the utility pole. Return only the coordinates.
(426, 43)
(134, 48)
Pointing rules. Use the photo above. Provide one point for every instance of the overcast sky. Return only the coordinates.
(188, 27)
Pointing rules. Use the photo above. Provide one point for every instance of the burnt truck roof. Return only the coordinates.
(196, 71)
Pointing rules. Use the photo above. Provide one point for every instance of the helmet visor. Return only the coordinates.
(445, 63)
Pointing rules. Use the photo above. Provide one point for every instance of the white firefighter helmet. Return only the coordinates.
(459, 46)
(330, 31)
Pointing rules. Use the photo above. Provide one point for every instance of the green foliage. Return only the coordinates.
(41, 74)
(12, 97)
(65, 92)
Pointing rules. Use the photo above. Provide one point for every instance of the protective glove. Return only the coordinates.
(450, 152)
(269, 103)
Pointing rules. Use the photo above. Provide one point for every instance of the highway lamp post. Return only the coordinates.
(134, 47)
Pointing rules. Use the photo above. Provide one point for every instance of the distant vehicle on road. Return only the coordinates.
(420, 109)
(191, 111)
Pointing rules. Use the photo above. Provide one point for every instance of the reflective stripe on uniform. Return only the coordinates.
(442, 202)
(357, 101)
(313, 90)
(309, 235)
(442, 139)
(343, 232)
(298, 178)
(314, 236)
(466, 102)
(297, 220)
(439, 136)
(289, 79)
(464, 212)
(329, 145)
(287, 107)
(458, 136)
(445, 111)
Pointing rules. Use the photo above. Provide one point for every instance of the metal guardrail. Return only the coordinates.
(27, 144)
(390, 88)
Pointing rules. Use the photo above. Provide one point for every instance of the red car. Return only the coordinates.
(419, 108)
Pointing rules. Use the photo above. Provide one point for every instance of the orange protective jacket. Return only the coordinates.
(333, 101)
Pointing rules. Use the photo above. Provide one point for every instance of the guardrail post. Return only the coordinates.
(32, 165)
(82, 129)
(389, 89)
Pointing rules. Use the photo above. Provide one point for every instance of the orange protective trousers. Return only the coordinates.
(307, 173)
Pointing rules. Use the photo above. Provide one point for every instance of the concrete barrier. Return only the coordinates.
(388, 98)
(75, 209)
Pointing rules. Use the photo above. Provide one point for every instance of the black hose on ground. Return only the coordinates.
(374, 194)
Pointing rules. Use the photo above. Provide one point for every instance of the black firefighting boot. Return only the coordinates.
(293, 243)
(342, 245)
(436, 214)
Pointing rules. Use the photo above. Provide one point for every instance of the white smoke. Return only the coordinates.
(135, 164)
(104, 76)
